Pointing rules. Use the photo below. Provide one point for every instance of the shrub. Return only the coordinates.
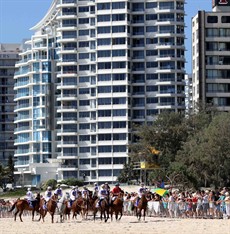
(72, 182)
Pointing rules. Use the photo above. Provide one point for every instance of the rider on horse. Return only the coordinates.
(85, 192)
(29, 197)
(103, 194)
(115, 192)
(73, 195)
(95, 189)
(140, 192)
(48, 195)
(58, 191)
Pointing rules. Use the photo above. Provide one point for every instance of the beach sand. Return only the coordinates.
(127, 224)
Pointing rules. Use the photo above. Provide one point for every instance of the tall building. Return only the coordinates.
(91, 70)
(9, 55)
(210, 56)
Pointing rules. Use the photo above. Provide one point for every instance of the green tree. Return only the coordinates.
(128, 173)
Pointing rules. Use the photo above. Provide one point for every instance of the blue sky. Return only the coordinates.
(18, 16)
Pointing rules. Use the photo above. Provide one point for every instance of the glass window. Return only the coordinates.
(118, 41)
(104, 101)
(151, 5)
(83, 20)
(119, 124)
(104, 125)
(84, 32)
(84, 114)
(105, 65)
(104, 113)
(105, 41)
(103, 53)
(103, 6)
(139, 6)
(119, 148)
(118, 17)
(83, 9)
(104, 149)
(83, 55)
(118, 29)
(103, 18)
(103, 30)
(224, 19)
(118, 5)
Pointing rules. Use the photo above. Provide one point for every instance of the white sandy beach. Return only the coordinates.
(128, 224)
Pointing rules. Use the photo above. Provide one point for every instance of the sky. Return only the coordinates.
(18, 16)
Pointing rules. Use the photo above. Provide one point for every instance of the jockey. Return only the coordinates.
(58, 191)
(73, 195)
(107, 188)
(115, 192)
(30, 197)
(48, 194)
(85, 192)
(141, 191)
(103, 194)
(95, 189)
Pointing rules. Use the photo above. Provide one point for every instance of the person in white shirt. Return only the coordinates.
(73, 195)
(103, 194)
(29, 196)
(48, 194)
(58, 191)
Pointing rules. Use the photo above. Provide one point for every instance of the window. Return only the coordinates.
(84, 161)
(118, 17)
(118, 41)
(118, 5)
(84, 103)
(119, 160)
(104, 77)
(104, 161)
(152, 41)
(119, 88)
(119, 124)
(84, 32)
(118, 29)
(103, 6)
(83, 67)
(83, 9)
(119, 76)
(83, 44)
(138, 30)
(118, 53)
(150, 5)
(103, 18)
(104, 125)
(106, 41)
(151, 29)
(104, 113)
(119, 112)
(119, 136)
(105, 173)
(138, 6)
(84, 91)
(84, 79)
(119, 65)
(152, 112)
(151, 64)
(104, 149)
(83, 21)
(103, 30)
(84, 126)
(103, 53)
(151, 100)
(151, 17)
(224, 19)
(104, 137)
(119, 148)
(83, 55)
(104, 101)
(117, 101)
(84, 114)
(151, 53)
(84, 149)
(105, 65)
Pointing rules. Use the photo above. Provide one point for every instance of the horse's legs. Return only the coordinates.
(15, 214)
(33, 215)
(120, 214)
(20, 215)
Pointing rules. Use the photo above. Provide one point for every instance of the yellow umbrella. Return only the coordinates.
(160, 191)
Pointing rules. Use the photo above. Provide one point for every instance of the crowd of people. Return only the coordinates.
(173, 204)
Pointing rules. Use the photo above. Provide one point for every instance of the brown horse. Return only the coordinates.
(50, 207)
(22, 204)
(79, 206)
(142, 205)
(103, 208)
(117, 206)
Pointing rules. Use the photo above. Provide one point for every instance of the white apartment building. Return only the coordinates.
(210, 56)
(9, 55)
(92, 69)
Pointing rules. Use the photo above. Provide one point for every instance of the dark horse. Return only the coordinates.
(50, 207)
(142, 205)
(117, 206)
(103, 208)
(22, 204)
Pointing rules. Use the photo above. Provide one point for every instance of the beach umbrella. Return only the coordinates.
(160, 191)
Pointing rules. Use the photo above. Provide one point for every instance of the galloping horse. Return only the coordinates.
(117, 206)
(22, 204)
(51, 207)
(103, 208)
(142, 205)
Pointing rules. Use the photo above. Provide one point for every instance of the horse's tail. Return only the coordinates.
(13, 207)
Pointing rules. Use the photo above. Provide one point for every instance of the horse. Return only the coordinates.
(142, 205)
(79, 206)
(117, 206)
(103, 208)
(22, 204)
(50, 207)
(62, 205)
